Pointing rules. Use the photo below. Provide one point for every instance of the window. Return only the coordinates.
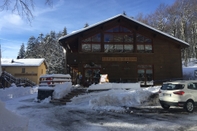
(95, 38)
(86, 47)
(144, 44)
(145, 73)
(128, 38)
(119, 29)
(172, 86)
(91, 44)
(118, 34)
(108, 38)
(118, 39)
(117, 48)
(128, 48)
(92, 73)
(91, 47)
(192, 86)
(96, 47)
(23, 70)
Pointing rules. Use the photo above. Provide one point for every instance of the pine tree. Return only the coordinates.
(64, 31)
(21, 53)
(47, 46)
(30, 50)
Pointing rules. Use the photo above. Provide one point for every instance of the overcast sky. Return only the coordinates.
(72, 14)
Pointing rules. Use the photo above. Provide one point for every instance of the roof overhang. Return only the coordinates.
(75, 33)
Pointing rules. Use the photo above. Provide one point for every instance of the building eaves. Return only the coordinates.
(131, 19)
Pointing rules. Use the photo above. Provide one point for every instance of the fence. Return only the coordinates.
(8, 79)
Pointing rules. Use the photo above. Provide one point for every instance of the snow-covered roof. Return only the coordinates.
(140, 23)
(22, 62)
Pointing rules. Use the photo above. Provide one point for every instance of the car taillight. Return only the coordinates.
(179, 92)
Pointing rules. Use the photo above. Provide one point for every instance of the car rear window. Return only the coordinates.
(172, 86)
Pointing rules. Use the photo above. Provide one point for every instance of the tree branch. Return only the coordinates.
(23, 8)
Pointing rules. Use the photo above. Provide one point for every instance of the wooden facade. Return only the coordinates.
(126, 50)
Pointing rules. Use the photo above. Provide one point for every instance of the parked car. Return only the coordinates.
(179, 93)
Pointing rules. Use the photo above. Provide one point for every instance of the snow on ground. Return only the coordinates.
(119, 96)
(189, 70)
(111, 100)
(62, 90)
(19, 110)
(9, 121)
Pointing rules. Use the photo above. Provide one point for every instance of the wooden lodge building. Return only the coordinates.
(125, 49)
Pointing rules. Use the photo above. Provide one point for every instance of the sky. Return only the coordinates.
(72, 14)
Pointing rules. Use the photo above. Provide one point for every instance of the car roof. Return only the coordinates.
(181, 82)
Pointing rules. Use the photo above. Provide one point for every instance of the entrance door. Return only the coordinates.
(145, 74)
(92, 74)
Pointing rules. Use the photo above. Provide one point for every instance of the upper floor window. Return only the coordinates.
(118, 48)
(118, 40)
(144, 44)
(91, 47)
(95, 38)
(23, 70)
(118, 34)
(118, 29)
(92, 44)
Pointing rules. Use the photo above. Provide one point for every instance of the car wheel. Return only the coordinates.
(164, 106)
(189, 106)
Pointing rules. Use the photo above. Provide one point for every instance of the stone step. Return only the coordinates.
(67, 98)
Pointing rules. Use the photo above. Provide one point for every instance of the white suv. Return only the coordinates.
(179, 93)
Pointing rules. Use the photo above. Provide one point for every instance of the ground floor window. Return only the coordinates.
(145, 73)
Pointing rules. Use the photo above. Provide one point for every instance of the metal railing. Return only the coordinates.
(18, 81)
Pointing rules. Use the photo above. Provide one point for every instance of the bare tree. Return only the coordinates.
(23, 8)
(179, 20)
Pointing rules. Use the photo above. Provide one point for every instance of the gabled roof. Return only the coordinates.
(22, 62)
(131, 19)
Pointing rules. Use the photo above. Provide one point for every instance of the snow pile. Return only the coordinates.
(10, 121)
(15, 92)
(62, 90)
(189, 70)
(116, 99)
(107, 86)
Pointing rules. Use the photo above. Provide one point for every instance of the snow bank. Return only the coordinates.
(107, 86)
(10, 121)
(116, 99)
(15, 92)
(188, 72)
(62, 90)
